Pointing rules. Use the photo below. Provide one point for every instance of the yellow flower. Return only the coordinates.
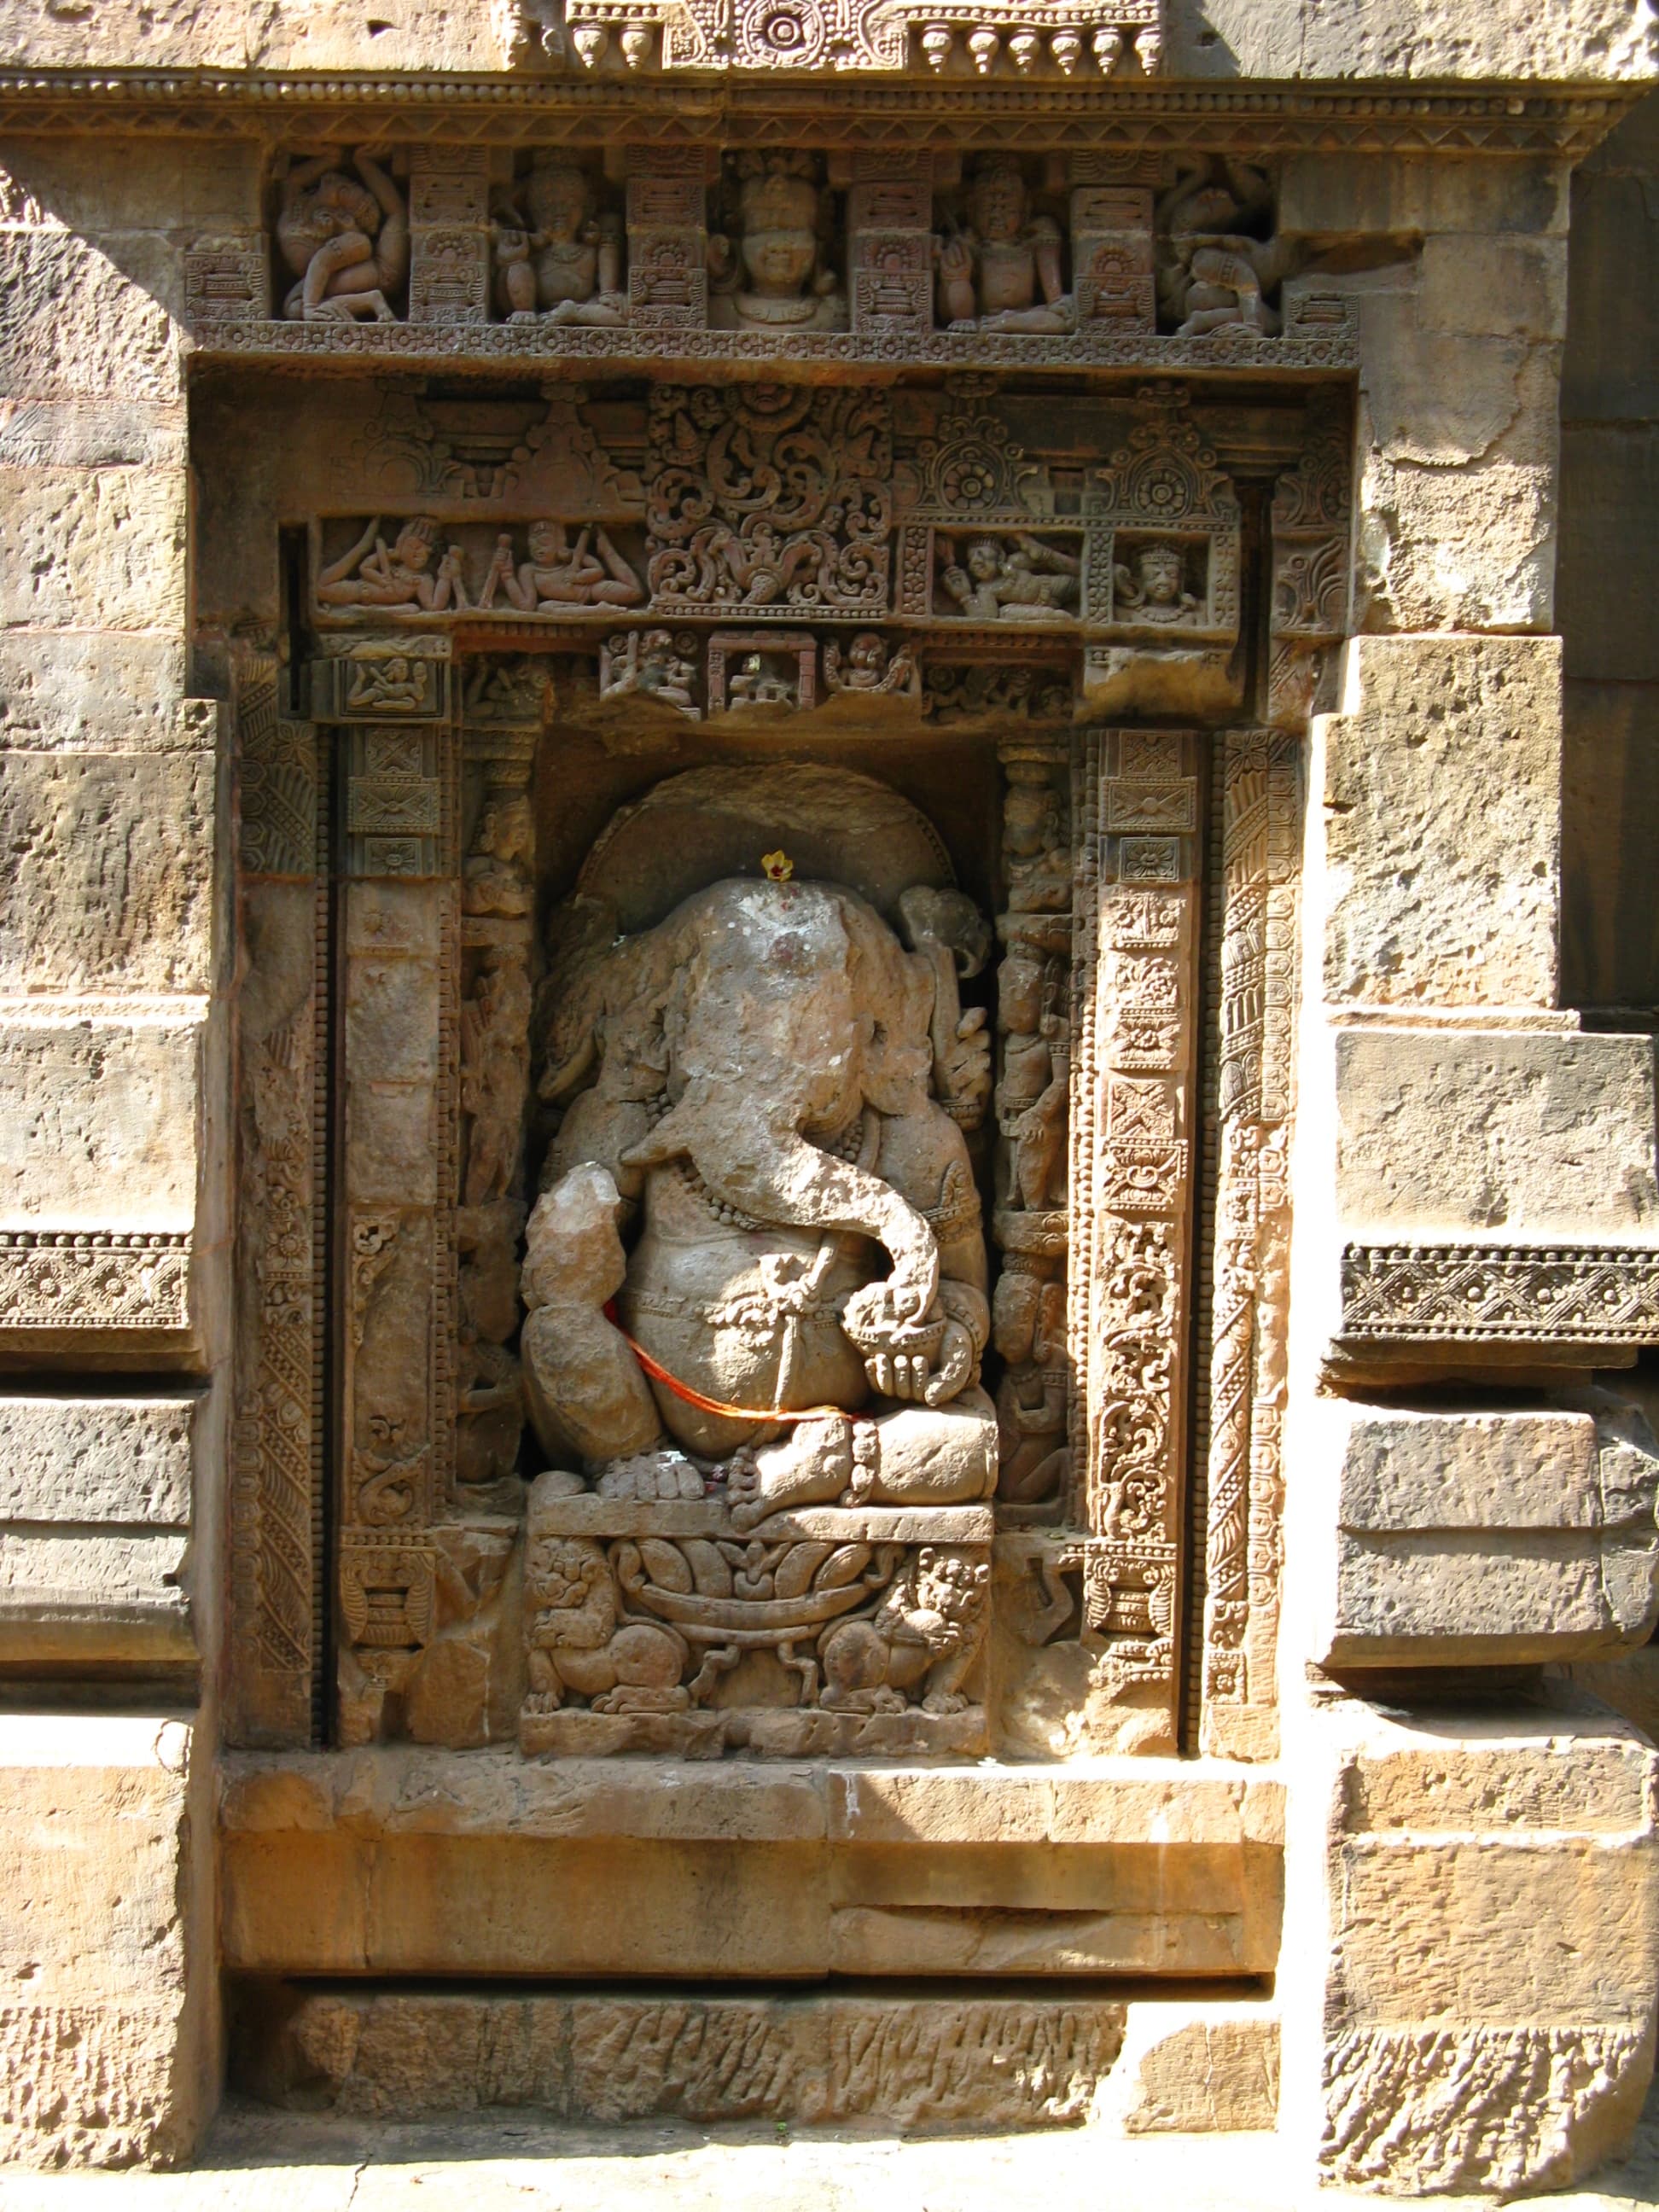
(777, 866)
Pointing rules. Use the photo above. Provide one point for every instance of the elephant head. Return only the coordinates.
(776, 1013)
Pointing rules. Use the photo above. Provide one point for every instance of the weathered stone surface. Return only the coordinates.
(1196, 2069)
(93, 1596)
(1498, 1136)
(100, 1121)
(1441, 826)
(67, 1457)
(908, 2064)
(1609, 821)
(1491, 1981)
(110, 877)
(1332, 196)
(1611, 470)
(1458, 435)
(98, 690)
(1490, 1538)
(131, 289)
(1478, 285)
(108, 542)
(106, 2032)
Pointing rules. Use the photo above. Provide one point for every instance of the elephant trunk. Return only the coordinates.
(761, 1165)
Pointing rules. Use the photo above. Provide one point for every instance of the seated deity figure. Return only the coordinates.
(1002, 272)
(376, 575)
(752, 1099)
(589, 574)
(1219, 258)
(346, 242)
(555, 255)
(1153, 587)
(771, 272)
(1028, 582)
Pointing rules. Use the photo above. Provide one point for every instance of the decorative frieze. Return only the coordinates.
(1478, 1294)
(93, 1279)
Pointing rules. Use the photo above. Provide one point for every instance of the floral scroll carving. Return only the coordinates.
(771, 498)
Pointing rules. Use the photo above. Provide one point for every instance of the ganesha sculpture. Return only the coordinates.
(756, 1293)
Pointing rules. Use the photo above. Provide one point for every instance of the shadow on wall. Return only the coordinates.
(1609, 534)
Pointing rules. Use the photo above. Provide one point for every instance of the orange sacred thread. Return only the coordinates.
(659, 1374)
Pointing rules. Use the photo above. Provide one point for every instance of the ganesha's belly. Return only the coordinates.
(734, 1316)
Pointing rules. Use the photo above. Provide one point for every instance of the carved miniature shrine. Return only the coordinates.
(769, 954)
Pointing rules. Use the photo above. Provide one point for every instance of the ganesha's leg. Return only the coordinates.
(583, 1388)
(932, 1455)
(913, 1456)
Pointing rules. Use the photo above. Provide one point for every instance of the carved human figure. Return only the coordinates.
(589, 574)
(654, 664)
(772, 271)
(1021, 581)
(376, 575)
(1151, 585)
(555, 253)
(344, 239)
(750, 1082)
(1028, 1328)
(1002, 271)
(868, 665)
(1217, 259)
(495, 1073)
(495, 875)
(1036, 860)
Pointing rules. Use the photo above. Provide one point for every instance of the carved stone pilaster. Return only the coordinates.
(276, 1498)
(399, 968)
(668, 237)
(449, 235)
(1260, 876)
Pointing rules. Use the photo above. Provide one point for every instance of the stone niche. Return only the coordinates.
(721, 875)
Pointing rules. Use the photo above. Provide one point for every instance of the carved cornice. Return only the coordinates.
(691, 353)
(1499, 1294)
(94, 1278)
(773, 108)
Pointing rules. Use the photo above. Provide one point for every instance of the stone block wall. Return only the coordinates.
(114, 1070)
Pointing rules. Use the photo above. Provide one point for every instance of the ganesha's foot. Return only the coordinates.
(811, 1466)
(652, 1475)
(935, 1455)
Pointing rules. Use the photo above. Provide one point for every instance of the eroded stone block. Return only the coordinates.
(1496, 1136)
(1492, 1537)
(100, 1120)
(111, 873)
(911, 2064)
(106, 2036)
(1489, 1990)
(1441, 792)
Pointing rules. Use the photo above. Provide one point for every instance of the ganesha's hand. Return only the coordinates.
(959, 1356)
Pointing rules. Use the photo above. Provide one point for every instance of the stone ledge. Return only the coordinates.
(596, 1867)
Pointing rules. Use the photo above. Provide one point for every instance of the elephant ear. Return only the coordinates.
(895, 991)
